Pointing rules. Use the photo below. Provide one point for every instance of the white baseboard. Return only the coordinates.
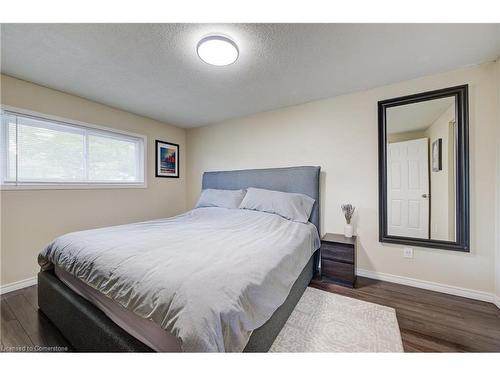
(436, 287)
(497, 301)
(17, 285)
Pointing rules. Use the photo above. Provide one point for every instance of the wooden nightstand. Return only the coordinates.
(338, 259)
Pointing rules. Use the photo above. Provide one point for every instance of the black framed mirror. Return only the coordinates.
(424, 169)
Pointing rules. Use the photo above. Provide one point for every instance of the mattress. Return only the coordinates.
(208, 278)
(144, 330)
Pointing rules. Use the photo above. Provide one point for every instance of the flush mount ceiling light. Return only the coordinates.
(217, 50)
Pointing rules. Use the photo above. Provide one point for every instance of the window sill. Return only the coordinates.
(12, 187)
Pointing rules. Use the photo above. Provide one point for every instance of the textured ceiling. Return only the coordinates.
(153, 69)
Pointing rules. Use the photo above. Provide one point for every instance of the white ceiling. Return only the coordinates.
(153, 69)
(416, 116)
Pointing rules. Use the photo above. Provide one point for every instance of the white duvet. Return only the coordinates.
(209, 277)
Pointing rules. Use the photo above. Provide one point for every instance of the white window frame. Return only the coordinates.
(91, 128)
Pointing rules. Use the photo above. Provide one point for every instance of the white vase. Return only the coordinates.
(348, 230)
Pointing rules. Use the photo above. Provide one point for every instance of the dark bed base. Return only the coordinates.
(88, 329)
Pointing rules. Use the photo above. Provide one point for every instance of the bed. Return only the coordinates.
(95, 310)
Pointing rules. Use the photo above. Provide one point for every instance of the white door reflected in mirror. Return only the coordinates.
(407, 186)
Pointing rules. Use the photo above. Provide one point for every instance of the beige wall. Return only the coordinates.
(32, 218)
(497, 262)
(340, 135)
(442, 182)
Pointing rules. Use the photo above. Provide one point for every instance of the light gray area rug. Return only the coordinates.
(327, 322)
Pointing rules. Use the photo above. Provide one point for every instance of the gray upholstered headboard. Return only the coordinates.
(304, 180)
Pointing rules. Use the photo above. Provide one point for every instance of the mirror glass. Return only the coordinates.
(421, 146)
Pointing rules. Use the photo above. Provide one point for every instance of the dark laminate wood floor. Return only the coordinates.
(429, 321)
(24, 328)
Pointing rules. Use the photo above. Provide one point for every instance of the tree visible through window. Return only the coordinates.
(36, 150)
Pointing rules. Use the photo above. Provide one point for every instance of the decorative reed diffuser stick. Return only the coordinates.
(348, 210)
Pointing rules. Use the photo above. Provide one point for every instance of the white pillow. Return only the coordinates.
(220, 198)
(291, 206)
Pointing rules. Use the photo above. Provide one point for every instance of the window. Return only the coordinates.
(40, 151)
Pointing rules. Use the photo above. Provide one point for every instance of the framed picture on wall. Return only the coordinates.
(167, 159)
(437, 163)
